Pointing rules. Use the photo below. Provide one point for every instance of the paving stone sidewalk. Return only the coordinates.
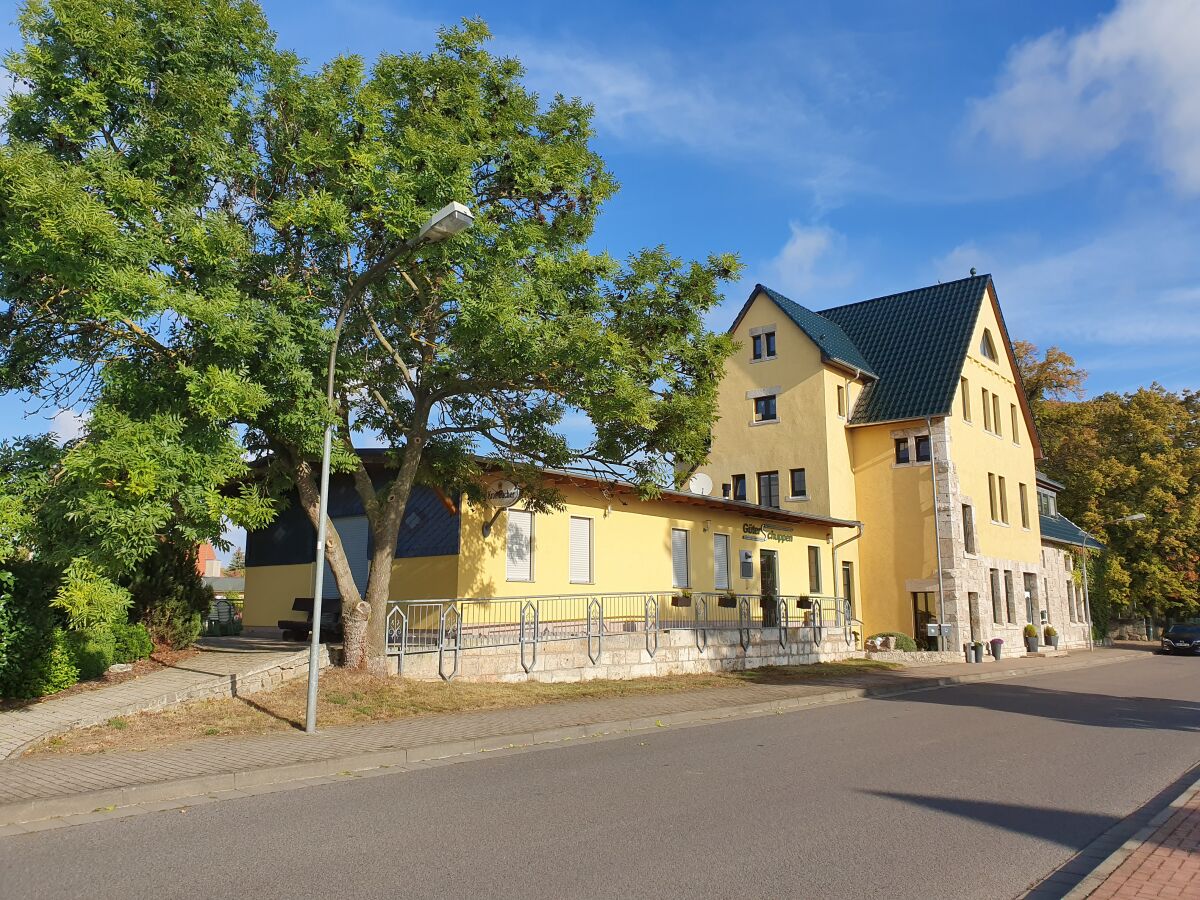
(216, 670)
(1165, 864)
(39, 787)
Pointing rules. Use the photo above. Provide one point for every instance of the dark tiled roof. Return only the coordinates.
(1061, 530)
(916, 342)
(826, 334)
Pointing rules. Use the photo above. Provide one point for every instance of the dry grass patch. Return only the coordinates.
(348, 698)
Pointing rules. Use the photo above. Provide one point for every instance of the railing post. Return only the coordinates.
(595, 628)
(451, 608)
(701, 609)
(528, 611)
(848, 613)
(744, 622)
(818, 623)
(394, 613)
(781, 615)
(651, 624)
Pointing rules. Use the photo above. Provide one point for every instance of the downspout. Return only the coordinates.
(836, 573)
(1087, 602)
(937, 535)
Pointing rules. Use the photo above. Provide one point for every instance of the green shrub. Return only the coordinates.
(169, 596)
(132, 642)
(34, 657)
(93, 649)
(903, 641)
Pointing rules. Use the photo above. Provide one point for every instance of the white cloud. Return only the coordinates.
(1131, 286)
(811, 261)
(1132, 78)
(68, 425)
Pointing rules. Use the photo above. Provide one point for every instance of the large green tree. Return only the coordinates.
(187, 208)
(1121, 454)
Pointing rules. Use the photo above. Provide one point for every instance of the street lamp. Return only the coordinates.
(448, 221)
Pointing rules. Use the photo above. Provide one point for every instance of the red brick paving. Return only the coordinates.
(1166, 865)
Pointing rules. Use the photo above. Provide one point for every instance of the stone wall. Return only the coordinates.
(624, 656)
(919, 658)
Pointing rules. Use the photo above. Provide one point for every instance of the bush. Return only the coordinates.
(169, 596)
(903, 641)
(94, 650)
(132, 642)
(35, 659)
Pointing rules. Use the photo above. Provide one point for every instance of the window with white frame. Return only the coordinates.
(679, 558)
(721, 562)
(581, 550)
(519, 549)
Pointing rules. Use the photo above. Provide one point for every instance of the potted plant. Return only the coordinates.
(727, 600)
(977, 650)
(1052, 636)
(997, 645)
(683, 598)
(804, 602)
(1031, 638)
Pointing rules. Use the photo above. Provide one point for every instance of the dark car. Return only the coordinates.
(1181, 639)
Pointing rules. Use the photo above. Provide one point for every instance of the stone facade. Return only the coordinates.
(625, 656)
(1066, 601)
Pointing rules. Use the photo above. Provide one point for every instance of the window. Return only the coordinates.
(964, 388)
(841, 400)
(814, 570)
(739, 487)
(901, 451)
(1023, 493)
(993, 505)
(799, 483)
(519, 565)
(1016, 430)
(922, 446)
(679, 558)
(987, 346)
(848, 582)
(1071, 600)
(1010, 596)
(721, 562)
(997, 608)
(764, 408)
(1003, 488)
(768, 489)
(355, 533)
(996, 413)
(581, 550)
(968, 528)
(987, 411)
(1046, 504)
(763, 345)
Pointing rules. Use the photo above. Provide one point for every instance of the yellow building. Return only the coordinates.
(605, 542)
(882, 411)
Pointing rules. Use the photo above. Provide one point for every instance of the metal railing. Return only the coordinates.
(453, 627)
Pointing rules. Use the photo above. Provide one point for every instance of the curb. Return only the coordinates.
(1100, 874)
(106, 800)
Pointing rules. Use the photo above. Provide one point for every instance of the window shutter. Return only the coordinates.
(520, 545)
(581, 550)
(355, 533)
(679, 558)
(721, 562)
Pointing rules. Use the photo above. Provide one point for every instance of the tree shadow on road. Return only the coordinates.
(1074, 707)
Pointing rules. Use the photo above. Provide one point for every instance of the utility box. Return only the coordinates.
(747, 560)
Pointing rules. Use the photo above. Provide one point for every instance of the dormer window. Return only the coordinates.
(987, 346)
(1047, 503)
(763, 345)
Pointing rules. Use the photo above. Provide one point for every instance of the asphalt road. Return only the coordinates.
(970, 791)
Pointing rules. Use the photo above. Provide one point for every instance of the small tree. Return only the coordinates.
(188, 211)
(237, 563)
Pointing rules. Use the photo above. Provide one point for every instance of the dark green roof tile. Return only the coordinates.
(1061, 530)
(826, 334)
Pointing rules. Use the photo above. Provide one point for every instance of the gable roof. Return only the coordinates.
(1061, 530)
(831, 340)
(917, 341)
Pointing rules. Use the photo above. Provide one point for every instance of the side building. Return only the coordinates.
(891, 409)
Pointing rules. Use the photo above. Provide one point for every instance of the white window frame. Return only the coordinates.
(591, 550)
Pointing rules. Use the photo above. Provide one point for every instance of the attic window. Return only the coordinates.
(763, 345)
(988, 347)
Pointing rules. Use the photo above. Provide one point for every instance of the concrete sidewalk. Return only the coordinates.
(1161, 860)
(224, 667)
(40, 788)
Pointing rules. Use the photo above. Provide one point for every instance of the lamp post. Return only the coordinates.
(448, 221)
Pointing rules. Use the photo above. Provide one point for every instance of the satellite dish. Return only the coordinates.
(502, 493)
(700, 484)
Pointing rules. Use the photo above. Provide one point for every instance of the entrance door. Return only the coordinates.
(1031, 606)
(769, 574)
(924, 613)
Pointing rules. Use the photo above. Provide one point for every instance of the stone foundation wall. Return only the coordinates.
(625, 656)
(919, 658)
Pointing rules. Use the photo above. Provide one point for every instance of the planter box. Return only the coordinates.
(727, 602)
(677, 600)
(1031, 644)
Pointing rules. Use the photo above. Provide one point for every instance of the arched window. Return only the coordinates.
(987, 347)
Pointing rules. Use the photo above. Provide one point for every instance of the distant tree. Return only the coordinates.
(237, 563)
(188, 211)
(1052, 376)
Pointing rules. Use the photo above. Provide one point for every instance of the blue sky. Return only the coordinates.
(849, 149)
